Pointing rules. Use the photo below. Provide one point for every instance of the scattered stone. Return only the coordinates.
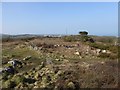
(66, 61)
(45, 80)
(97, 51)
(57, 59)
(9, 69)
(80, 57)
(102, 62)
(104, 51)
(14, 63)
(71, 85)
(49, 62)
(59, 73)
(35, 48)
(27, 58)
(86, 65)
(37, 83)
(77, 53)
(36, 87)
(42, 64)
(37, 76)
(39, 67)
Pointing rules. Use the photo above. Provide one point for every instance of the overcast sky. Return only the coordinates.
(98, 18)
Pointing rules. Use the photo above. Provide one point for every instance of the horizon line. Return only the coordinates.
(56, 34)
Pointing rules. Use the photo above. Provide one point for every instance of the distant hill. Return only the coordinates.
(16, 36)
(3, 36)
(29, 35)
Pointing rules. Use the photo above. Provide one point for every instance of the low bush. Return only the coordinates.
(113, 49)
(105, 39)
(73, 38)
(99, 46)
(69, 38)
(106, 55)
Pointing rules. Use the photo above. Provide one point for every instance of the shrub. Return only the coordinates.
(83, 38)
(83, 33)
(99, 46)
(106, 55)
(7, 39)
(113, 49)
(69, 38)
(105, 39)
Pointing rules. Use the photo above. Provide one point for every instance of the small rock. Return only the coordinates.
(36, 83)
(104, 51)
(42, 64)
(36, 87)
(80, 57)
(37, 76)
(27, 58)
(57, 59)
(71, 85)
(77, 53)
(59, 73)
(102, 62)
(98, 51)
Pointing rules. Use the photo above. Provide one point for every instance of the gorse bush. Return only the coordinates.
(100, 46)
(105, 39)
(69, 38)
(83, 33)
(106, 55)
(86, 39)
(112, 48)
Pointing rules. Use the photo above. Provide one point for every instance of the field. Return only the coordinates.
(57, 63)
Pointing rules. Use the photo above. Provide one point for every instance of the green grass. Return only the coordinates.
(19, 53)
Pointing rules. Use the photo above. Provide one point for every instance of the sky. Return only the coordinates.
(0, 17)
(98, 18)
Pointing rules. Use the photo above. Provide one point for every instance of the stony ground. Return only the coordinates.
(52, 63)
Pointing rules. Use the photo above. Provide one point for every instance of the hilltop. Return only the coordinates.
(60, 62)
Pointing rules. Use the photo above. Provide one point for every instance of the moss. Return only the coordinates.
(19, 79)
(19, 53)
(5, 75)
